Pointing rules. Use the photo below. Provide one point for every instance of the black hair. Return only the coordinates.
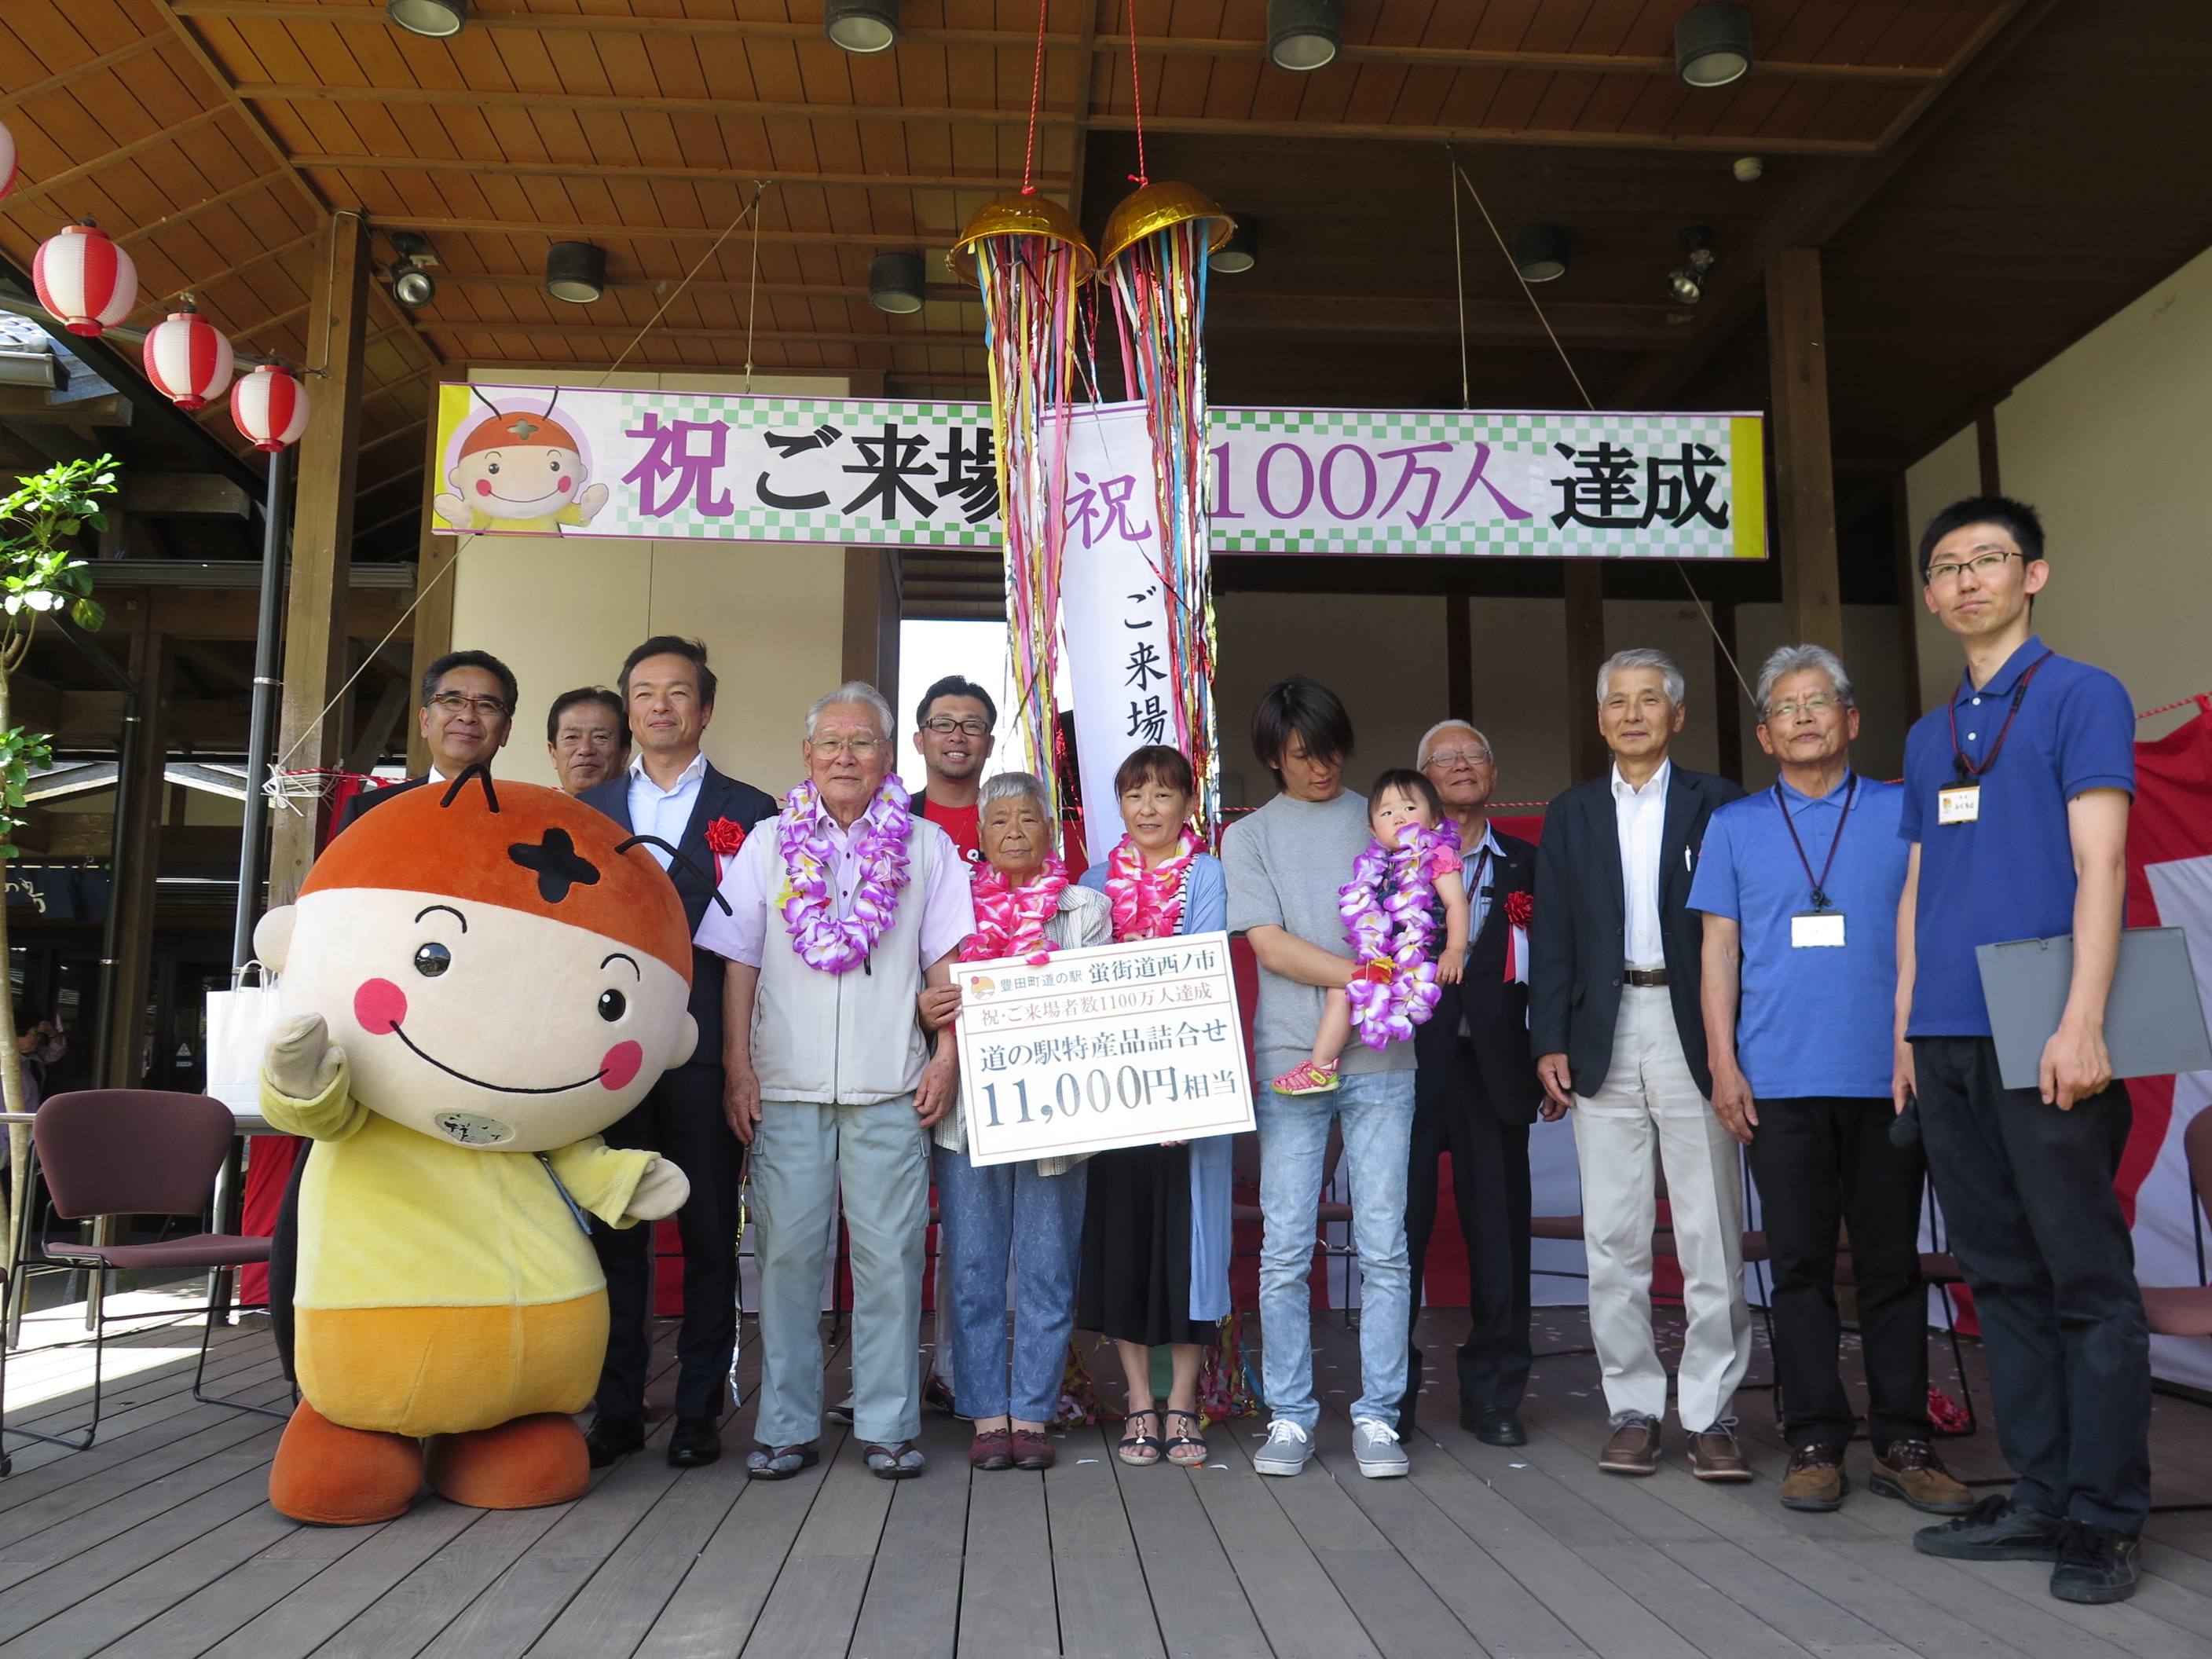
(670, 645)
(953, 686)
(2016, 518)
(1413, 783)
(1305, 709)
(483, 660)
(1155, 762)
(598, 694)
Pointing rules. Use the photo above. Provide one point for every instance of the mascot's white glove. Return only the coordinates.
(302, 1061)
(660, 1192)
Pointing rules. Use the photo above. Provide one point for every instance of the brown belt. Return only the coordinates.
(1646, 977)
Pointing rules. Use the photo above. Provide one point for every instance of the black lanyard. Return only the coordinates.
(1820, 882)
(1964, 768)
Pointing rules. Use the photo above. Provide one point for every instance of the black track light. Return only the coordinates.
(861, 26)
(576, 272)
(1240, 252)
(1305, 34)
(1712, 44)
(896, 284)
(436, 20)
(1540, 253)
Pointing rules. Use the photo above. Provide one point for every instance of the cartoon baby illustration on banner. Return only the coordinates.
(519, 474)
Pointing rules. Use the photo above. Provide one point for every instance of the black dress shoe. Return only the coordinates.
(697, 1442)
(1494, 1427)
(611, 1438)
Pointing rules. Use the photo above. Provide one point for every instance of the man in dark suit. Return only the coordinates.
(1614, 1018)
(670, 791)
(1474, 1096)
(467, 716)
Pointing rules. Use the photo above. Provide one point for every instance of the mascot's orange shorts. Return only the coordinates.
(450, 1370)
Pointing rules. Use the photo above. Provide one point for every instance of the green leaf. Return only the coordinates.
(88, 614)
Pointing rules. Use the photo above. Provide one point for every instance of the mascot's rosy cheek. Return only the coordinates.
(379, 1007)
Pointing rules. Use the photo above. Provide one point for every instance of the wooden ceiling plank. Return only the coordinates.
(55, 82)
(736, 176)
(208, 283)
(184, 215)
(23, 195)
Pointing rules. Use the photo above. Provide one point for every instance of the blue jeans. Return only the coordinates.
(1376, 1111)
(986, 1217)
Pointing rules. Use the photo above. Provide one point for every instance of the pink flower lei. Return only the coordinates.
(1148, 903)
(1010, 921)
(1387, 920)
(823, 939)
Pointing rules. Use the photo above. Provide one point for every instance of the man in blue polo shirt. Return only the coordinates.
(1799, 885)
(2016, 808)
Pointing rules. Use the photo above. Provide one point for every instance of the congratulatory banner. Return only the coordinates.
(538, 460)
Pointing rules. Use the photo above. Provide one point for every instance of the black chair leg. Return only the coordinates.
(199, 1374)
(91, 1429)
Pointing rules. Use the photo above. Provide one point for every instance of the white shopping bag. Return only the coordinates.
(240, 1023)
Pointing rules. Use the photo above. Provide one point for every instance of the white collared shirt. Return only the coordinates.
(656, 811)
(1478, 892)
(1640, 816)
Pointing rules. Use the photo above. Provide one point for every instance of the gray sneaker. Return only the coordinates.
(1375, 1443)
(1287, 1451)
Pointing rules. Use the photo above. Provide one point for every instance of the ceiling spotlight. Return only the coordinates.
(1712, 44)
(438, 20)
(1240, 252)
(1540, 253)
(861, 26)
(1305, 34)
(413, 289)
(576, 272)
(414, 248)
(895, 284)
(1748, 169)
(1686, 282)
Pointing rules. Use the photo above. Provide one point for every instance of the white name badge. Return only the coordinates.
(1959, 806)
(1814, 929)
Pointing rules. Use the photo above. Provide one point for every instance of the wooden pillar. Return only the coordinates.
(1908, 596)
(132, 883)
(1805, 488)
(322, 541)
(1459, 657)
(434, 577)
(1585, 595)
(1986, 451)
(872, 600)
(1729, 701)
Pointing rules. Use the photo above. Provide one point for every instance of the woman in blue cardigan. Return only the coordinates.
(1155, 1233)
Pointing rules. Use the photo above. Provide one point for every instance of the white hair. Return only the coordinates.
(857, 691)
(1428, 736)
(1643, 656)
(1010, 786)
(1797, 660)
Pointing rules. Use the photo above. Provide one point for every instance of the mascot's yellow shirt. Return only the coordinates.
(549, 525)
(400, 1219)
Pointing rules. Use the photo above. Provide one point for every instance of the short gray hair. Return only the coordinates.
(1421, 748)
(1643, 656)
(858, 691)
(1796, 659)
(1010, 786)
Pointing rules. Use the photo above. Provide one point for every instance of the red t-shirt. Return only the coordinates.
(961, 823)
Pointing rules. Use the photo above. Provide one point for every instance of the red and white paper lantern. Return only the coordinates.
(86, 281)
(188, 359)
(270, 407)
(7, 158)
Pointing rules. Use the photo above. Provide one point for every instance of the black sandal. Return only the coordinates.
(1137, 1449)
(1188, 1450)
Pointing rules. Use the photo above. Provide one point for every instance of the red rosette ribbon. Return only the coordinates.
(1520, 911)
(724, 836)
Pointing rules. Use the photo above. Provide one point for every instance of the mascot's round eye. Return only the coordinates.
(612, 1004)
(553, 465)
(433, 960)
(492, 467)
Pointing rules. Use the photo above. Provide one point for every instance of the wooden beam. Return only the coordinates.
(540, 230)
(734, 337)
(1909, 604)
(23, 195)
(183, 215)
(55, 81)
(1804, 485)
(1586, 756)
(872, 607)
(434, 602)
(741, 178)
(1985, 451)
(397, 432)
(203, 284)
(1459, 657)
(322, 541)
(131, 884)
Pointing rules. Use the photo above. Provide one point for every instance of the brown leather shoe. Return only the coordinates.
(1634, 1448)
(991, 1449)
(1911, 1470)
(1032, 1448)
(1714, 1455)
(1816, 1479)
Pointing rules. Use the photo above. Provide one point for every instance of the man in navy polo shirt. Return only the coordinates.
(2016, 808)
(1799, 885)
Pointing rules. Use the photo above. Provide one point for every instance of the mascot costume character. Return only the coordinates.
(474, 985)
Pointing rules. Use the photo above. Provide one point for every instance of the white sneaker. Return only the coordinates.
(1287, 1451)
(1375, 1443)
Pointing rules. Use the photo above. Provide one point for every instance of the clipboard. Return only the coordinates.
(2153, 1021)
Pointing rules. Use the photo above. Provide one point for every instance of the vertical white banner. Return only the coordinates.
(1113, 608)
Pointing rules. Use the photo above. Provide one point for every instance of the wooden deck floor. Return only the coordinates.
(159, 1543)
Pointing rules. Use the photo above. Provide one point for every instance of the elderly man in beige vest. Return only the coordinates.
(841, 910)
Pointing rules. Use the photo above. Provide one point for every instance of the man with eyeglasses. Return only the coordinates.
(669, 792)
(952, 735)
(2017, 793)
(1475, 1093)
(467, 716)
(1799, 886)
(587, 738)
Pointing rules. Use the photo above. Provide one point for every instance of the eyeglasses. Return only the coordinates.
(1983, 565)
(1815, 707)
(862, 749)
(944, 725)
(453, 703)
(1449, 759)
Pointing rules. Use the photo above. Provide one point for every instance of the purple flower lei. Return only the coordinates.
(823, 939)
(1389, 931)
